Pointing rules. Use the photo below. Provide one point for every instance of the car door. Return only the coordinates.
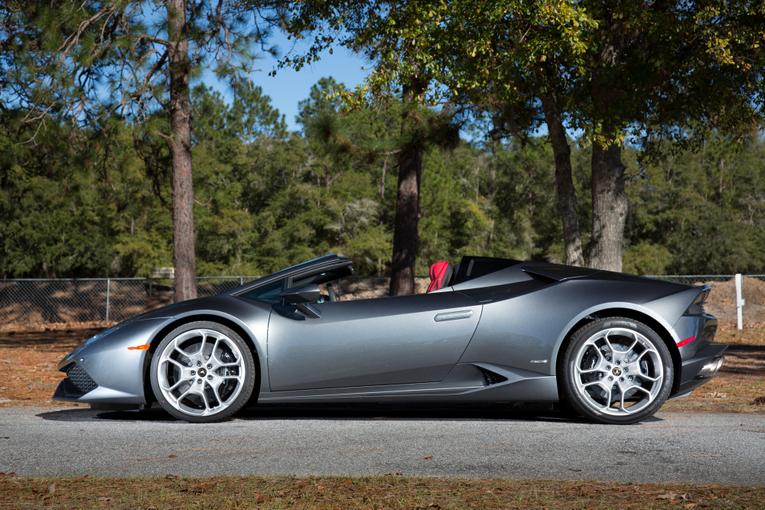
(394, 340)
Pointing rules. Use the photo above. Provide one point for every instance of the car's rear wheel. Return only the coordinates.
(616, 370)
(202, 372)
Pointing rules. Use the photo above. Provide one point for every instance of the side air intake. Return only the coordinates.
(490, 378)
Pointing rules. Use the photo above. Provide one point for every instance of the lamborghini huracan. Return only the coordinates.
(608, 346)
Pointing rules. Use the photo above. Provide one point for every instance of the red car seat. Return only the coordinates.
(440, 274)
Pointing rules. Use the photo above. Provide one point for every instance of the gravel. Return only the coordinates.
(672, 447)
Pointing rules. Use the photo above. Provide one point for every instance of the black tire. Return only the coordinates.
(567, 372)
(248, 363)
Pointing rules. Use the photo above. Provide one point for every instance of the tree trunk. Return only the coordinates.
(405, 226)
(564, 183)
(184, 256)
(609, 207)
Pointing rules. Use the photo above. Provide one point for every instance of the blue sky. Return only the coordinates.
(289, 87)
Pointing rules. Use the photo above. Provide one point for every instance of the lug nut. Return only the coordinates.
(193, 372)
(209, 365)
(199, 381)
(610, 378)
(199, 363)
(621, 379)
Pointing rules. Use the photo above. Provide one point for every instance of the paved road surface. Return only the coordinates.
(702, 448)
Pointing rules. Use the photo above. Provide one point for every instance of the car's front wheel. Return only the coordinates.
(202, 372)
(616, 370)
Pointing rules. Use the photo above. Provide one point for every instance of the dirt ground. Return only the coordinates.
(390, 491)
(30, 360)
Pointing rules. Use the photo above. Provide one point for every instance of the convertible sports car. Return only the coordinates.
(609, 346)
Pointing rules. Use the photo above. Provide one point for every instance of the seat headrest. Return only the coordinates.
(439, 273)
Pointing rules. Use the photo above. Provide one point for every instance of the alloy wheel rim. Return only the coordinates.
(618, 372)
(201, 372)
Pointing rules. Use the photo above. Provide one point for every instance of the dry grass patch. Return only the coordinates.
(368, 492)
(34, 357)
(752, 334)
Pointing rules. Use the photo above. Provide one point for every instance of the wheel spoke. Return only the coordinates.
(215, 392)
(611, 347)
(183, 353)
(186, 393)
(204, 397)
(202, 345)
(639, 388)
(610, 396)
(632, 347)
(176, 363)
(214, 356)
(647, 351)
(648, 377)
(174, 386)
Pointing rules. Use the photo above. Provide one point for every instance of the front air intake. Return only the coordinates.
(79, 380)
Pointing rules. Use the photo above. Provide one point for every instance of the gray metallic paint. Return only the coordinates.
(440, 346)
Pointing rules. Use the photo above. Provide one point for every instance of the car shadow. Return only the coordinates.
(368, 412)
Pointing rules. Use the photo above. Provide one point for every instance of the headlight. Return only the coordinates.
(100, 335)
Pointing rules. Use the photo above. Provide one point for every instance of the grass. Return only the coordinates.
(391, 491)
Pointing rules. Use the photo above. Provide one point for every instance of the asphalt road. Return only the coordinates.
(698, 448)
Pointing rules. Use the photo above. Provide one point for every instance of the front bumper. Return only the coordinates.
(104, 371)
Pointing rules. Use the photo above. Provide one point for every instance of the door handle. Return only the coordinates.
(453, 316)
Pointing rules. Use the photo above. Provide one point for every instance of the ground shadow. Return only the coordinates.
(368, 412)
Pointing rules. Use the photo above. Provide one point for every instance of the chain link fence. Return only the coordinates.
(52, 301)
(34, 302)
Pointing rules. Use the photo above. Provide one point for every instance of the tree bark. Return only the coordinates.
(184, 256)
(564, 183)
(609, 207)
(405, 225)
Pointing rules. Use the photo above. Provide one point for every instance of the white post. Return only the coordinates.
(740, 302)
(108, 291)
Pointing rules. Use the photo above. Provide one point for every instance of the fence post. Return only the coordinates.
(740, 302)
(241, 280)
(108, 291)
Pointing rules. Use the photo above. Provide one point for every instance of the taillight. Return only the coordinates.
(703, 295)
(697, 306)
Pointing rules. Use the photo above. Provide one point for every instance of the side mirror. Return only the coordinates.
(307, 294)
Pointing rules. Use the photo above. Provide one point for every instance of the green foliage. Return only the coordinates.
(95, 202)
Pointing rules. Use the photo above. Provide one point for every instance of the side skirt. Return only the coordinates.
(466, 383)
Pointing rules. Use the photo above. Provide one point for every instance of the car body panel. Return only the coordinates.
(396, 340)
(494, 333)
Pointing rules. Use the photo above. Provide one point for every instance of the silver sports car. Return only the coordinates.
(609, 346)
